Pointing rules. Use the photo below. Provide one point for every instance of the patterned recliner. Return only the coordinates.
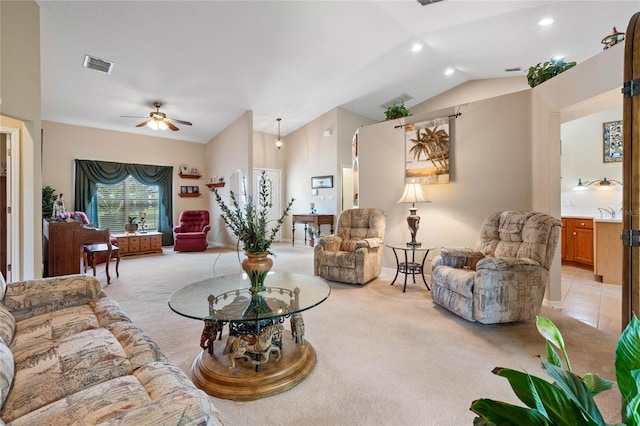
(191, 232)
(504, 278)
(354, 254)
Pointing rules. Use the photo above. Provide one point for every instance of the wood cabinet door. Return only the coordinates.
(584, 245)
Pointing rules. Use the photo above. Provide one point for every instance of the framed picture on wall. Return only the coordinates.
(321, 182)
(612, 141)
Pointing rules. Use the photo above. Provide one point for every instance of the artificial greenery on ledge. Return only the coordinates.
(544, 71)
(396, 111)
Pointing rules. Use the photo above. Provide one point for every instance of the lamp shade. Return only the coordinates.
(413, 194)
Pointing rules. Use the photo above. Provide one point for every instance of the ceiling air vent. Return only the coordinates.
(426, 2)
(97, 64)
(514, 69)
(398, 100)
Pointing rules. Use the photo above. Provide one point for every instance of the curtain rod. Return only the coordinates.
(456, 115)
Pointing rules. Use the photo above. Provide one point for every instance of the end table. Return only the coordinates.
(409, 267)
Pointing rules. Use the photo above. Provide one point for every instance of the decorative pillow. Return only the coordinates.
(7, 325)
(7, 368)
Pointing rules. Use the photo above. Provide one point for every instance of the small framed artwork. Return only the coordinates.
(321, 182)
(184, 169)
(612, 141)
(183, 189)
(189, 189)
(194, 171)
(196, 189)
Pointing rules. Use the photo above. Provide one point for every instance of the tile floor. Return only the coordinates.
(590, 301)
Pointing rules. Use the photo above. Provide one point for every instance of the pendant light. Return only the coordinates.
(279, 141)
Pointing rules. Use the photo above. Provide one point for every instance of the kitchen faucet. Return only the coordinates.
(609, 210)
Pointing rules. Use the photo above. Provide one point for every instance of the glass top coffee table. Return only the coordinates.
(260, 358)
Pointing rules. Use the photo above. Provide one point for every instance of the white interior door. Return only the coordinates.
(274, 199)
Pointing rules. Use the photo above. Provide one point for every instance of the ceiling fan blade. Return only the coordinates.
(186, 123)
(171, 126)
(143, 123)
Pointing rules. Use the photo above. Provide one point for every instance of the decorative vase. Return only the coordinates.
(257, 265)
(131, 228)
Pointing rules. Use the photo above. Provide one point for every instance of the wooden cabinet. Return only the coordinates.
(608, 252)
(577, 240)
(135, 244)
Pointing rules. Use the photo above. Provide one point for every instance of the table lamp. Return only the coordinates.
(143, 225)
(413, 194)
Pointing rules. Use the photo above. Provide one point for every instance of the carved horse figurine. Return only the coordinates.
(297, 328)
(262, 346)
(212, 331)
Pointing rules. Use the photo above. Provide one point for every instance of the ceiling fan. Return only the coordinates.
(159, 120)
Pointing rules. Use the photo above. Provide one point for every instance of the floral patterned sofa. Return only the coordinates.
(70, 355)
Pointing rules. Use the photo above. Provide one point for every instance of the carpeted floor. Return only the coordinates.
(384, 357)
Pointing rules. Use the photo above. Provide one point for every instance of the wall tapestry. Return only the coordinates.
(612, 141)
(427, 151)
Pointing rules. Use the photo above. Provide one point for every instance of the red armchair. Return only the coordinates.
(191, 232)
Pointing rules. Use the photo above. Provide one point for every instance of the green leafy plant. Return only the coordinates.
(396, 111)
(249, 222)
(48, 197)
(544, 71)
(311, 231)
(569, 399)
(131, 219)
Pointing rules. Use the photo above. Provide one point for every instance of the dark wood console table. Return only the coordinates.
(315, 219)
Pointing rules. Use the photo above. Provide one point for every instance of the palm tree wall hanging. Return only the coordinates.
(427, 151)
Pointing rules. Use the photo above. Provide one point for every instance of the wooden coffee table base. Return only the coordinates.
(212, 374)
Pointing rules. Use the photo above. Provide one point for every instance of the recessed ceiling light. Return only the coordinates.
(416, 47)
(449, 71)
(545, 21)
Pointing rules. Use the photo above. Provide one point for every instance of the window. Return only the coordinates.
(115, 203)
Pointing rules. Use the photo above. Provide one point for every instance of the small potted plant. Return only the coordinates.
(396, 111)
(312, 236)
(131, 227)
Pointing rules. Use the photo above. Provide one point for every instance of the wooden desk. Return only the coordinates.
(315, 219)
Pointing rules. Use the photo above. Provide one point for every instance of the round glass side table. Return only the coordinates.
(409, 267)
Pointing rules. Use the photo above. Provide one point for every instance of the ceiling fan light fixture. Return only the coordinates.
(162, 125)
(153, 124)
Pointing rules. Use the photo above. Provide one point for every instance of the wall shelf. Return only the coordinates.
(216, 185)
(189, 195)
(190, 176)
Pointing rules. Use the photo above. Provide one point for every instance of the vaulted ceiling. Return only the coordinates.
(210, 61)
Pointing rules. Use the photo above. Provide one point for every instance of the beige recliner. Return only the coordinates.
(354, 253)
(504, 278)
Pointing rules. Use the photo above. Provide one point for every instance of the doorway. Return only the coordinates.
(273, 196)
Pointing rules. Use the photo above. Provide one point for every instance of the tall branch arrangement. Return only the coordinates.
(249, 222)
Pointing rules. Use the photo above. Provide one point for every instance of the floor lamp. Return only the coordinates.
(413, 194)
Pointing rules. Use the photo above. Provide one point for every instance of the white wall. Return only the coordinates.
(20, 100)
(582, 158)
(64, 143)
(490, 170)
(230, 155)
